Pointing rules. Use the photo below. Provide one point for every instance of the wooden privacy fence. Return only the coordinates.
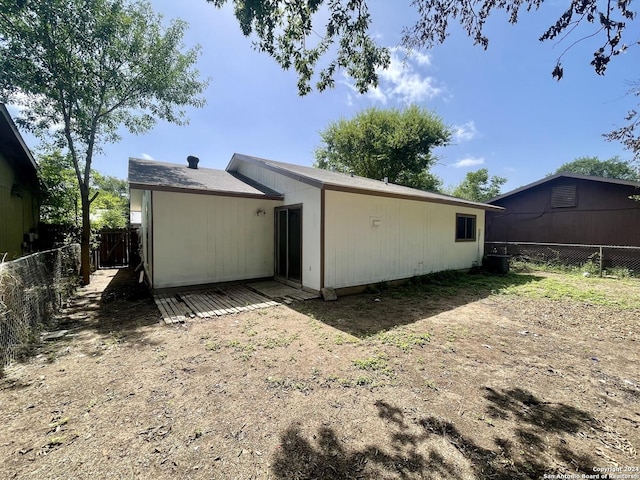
(117, 248)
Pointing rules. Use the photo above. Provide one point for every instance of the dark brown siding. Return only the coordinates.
(603, 215)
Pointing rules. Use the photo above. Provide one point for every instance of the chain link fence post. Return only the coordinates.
(613, 260)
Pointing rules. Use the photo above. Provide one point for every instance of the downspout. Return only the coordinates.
(322, 234)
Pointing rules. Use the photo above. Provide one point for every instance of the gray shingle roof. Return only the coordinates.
(153, 175)
(341, 181)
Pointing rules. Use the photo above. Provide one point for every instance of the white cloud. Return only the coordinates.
(421, 58)
(469, 162)
(146, 156)
(403, 81)
(465, 132)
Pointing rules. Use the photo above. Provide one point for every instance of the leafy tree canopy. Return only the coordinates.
(82, 69)
(629, 134)
(61, 195)
(478, 186)
(612, 168)
(289, 32)
(285, 30)
(60, 191)
(393, 144)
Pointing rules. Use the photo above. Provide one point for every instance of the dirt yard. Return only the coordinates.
(476, 377)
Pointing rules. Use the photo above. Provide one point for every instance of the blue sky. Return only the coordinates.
(509, 114)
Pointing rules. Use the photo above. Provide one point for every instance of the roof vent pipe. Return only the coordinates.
(386, 180)
(193, 162)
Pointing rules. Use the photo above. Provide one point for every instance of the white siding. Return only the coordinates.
(146, 231)
(412, 238)
(295, 193)
(206, 239)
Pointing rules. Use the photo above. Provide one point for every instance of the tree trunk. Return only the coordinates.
(85, 239)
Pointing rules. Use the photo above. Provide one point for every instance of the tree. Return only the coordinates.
(609, 20)
(629, 134)
(111, 206)
(61, 195)
(288, 32)
(81, 69)
(60, 191)
(393, 144)
(612, 168)
(478, 186)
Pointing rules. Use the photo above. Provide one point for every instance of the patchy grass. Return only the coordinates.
(453, 376)
(618, 293)
(401, 338)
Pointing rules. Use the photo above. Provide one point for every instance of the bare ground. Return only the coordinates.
(469, 385)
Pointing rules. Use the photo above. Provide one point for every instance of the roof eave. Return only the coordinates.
(263, 162)
(197, 191)
(550, 178)
(418, 198)
(30, 160)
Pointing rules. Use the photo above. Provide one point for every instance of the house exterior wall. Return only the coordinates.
(410, 238)
(603, 215)
(295, 192)
(18, 215)
(146, 232)
(199, 239)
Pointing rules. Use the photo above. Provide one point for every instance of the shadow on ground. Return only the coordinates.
(382, 308)
(434, 448)
(115, 313)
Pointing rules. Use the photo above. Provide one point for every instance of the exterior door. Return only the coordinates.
(288, 243)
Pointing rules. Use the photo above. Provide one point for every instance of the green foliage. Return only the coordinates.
(612, 168)
(290, 32)
(285, 30)
(609, 20)
(393, 143)
(111, 206)
(61, 202)
(81, 70)
(60, 190)
(478, 186)
(628, 134)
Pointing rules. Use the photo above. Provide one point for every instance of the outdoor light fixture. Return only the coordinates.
(260, 213)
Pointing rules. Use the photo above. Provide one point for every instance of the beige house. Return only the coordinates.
(304, 226)
(19, 191)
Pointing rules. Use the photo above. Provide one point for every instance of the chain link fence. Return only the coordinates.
(594, 259)
(32, 290)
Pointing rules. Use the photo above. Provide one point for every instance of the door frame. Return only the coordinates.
(286, 280)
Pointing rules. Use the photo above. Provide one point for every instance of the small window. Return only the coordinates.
(465, 228)
(563, 196)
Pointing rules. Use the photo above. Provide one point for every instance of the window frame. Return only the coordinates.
(467, 216)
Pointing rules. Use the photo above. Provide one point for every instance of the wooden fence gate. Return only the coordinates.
(118, 248)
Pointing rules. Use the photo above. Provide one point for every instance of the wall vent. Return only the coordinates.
(563, 196)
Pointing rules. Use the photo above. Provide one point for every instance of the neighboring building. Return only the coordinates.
(19, 191)
(307, 227)
(568, 208)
